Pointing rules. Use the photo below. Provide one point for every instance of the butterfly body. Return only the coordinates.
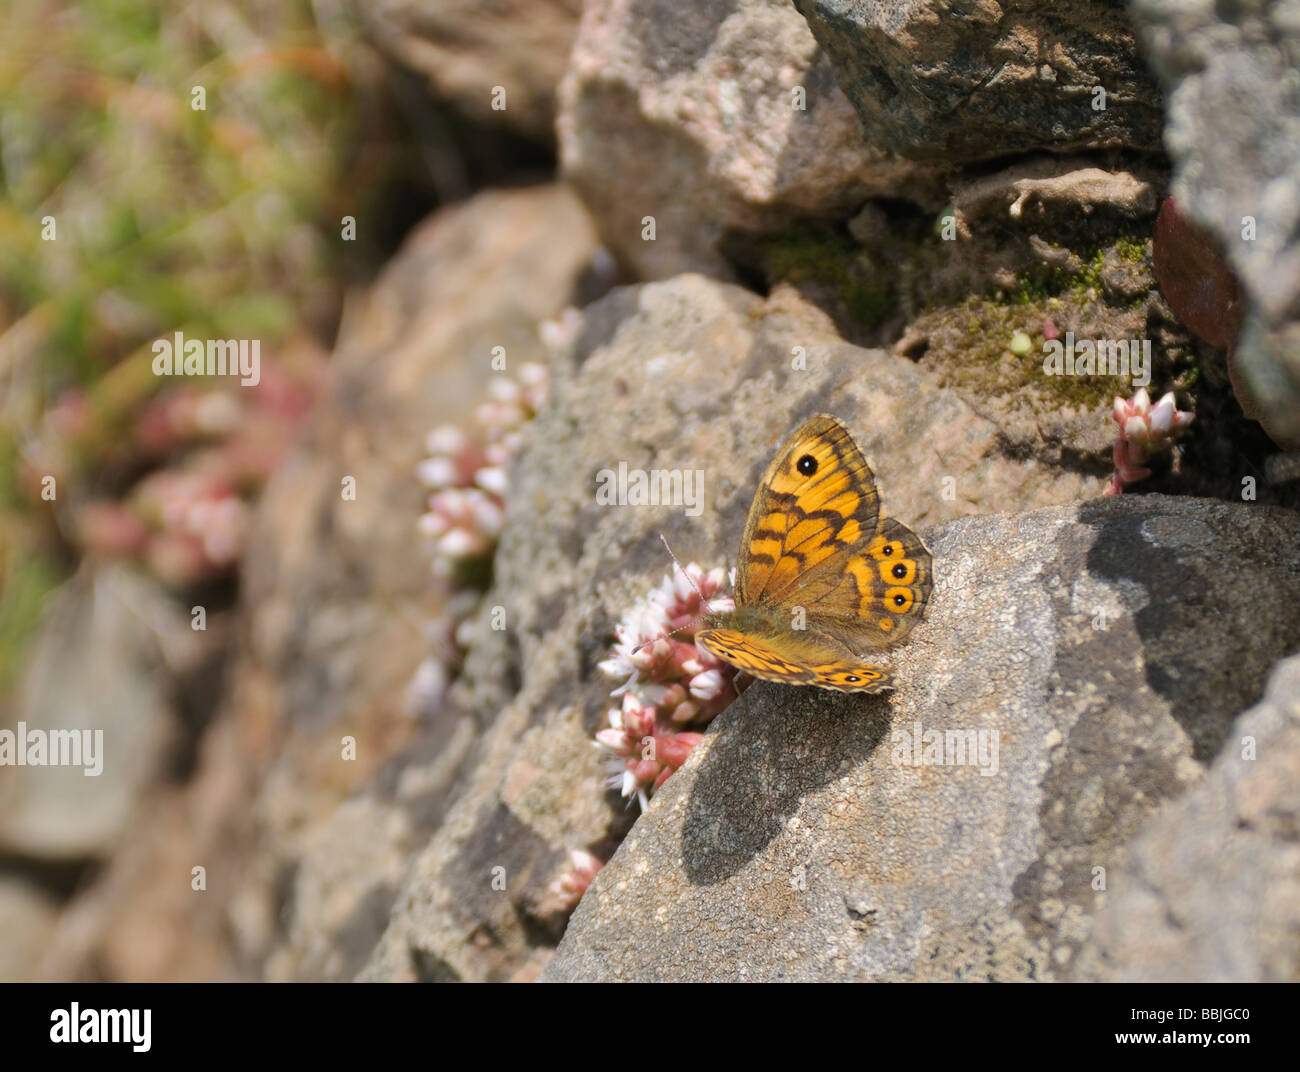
(821, 576)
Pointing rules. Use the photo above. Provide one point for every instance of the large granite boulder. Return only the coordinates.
(714, 118)
(684, 373)
(1231, 71)
(1079, 667)
(973, 80)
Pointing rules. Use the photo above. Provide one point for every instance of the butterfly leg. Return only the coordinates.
(736, 682)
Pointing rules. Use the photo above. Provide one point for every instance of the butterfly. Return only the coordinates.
(820, 575)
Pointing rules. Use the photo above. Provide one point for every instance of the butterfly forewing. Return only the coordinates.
(817, 498)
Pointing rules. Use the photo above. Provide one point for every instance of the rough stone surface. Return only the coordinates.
(125, 638)
(1110, 644)
(974, 79)
(709, 366)
(1231, 71)
(141, 920)
(334, 596)
(1210, 889)
(27, 918)
(473, 277)
(465, 49)
(332, 586)
(353, 863)
(687, 113)
(801, 841)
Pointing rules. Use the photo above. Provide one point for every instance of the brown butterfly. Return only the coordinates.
(821, 576)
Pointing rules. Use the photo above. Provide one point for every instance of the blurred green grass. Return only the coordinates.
(219, 223)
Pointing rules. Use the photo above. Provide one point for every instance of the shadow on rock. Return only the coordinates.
(1209, 626)
(763, 762)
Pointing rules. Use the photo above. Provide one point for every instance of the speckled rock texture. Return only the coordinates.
(974, 79)
(719, 375)
(713, 117)
(465, 50)
(1231, 70)
(334, 619)
(717, 382)
(1210, 889)
(803, 841)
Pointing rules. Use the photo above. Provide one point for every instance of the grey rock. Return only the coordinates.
(800, 841)
(104, 661)
(687, 373)
(966, 81)
(27, 918)
(1231, 71)
(416, 353)
(687, 113)
(1210, 889)
(333, 599)
(342, 893)
(465, 50)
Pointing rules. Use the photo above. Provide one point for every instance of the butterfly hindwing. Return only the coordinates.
(809, 659)
(891, 579)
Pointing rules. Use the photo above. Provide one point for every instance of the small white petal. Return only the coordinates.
(492, 478)
(432, 525)
(447, 439)
(652, 695)
(457, 543)
(707, 685)
(502, 389)
(1162, 416)
(436, 472)
(615, 666)
(486, 513)
(612, 739)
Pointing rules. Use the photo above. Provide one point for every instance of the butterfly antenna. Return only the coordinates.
(664, 540)
(704, 603)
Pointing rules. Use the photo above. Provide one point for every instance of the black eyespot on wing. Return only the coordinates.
(899, 600)
(900, 571)
(807, 465)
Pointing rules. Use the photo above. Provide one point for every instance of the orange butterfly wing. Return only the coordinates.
(817, 497)
(820, 573)
(795, 660)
